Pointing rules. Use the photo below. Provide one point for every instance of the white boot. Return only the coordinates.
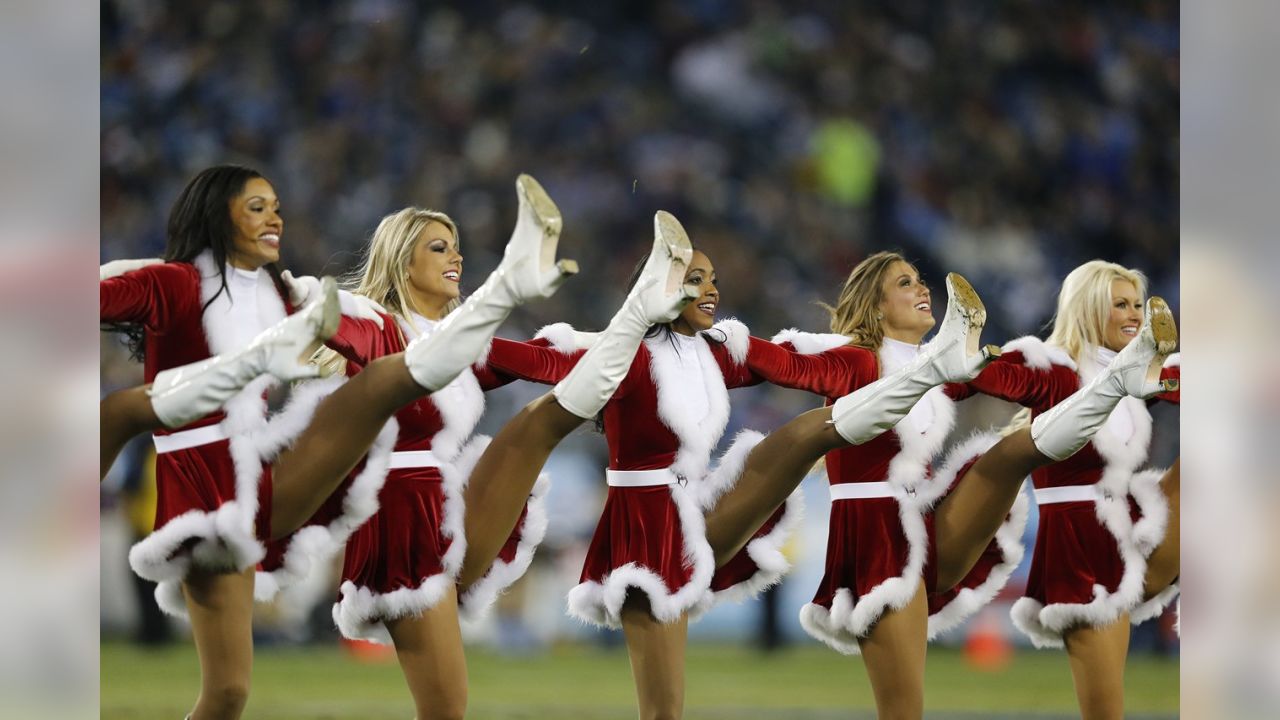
(1135, 371)
(952, 355)
(658, 297)
(183, 394)
(528, 270)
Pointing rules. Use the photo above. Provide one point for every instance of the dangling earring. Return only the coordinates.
(879, 317)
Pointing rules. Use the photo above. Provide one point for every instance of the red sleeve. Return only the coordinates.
(360, 341)
(735, 375)
(832, 373)
(533, 361)
(154, 296)
(1009, 379)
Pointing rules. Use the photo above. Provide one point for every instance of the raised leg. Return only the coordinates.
(503, 478)
(1097, 657)
(894, 654)
(221, 610)
(123, 415)
(1165, 562)
(344, 426)
(429, 647)
(657, 652)
(772, 471)
(969, 516)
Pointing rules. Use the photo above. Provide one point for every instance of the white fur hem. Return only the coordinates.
(600, 603)
(1008, 539)
(479, 598)
(360, 613)
(807, 343)
(765, 551)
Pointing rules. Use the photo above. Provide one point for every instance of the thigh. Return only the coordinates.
(1097, 657)
(894, 654)
(657, 653)
(221, 609)
(1165, 563)
(429, 647)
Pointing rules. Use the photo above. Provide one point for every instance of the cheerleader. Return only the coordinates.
(1101, 516)
(218, 503)
(898, 533)
(649, 569)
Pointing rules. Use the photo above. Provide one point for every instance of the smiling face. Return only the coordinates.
(1125, 317)
(255, 216)
(701, 313)
(906, 310)
(435, 270)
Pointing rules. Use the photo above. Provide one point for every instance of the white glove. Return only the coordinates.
(120, 267)
(303, 287)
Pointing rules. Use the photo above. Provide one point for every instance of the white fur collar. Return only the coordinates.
(807, 343)
(734, 335)
(219, 329)
(1038, 354)
(697, 433)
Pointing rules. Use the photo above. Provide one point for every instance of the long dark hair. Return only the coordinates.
(200, 220)
(663, 330)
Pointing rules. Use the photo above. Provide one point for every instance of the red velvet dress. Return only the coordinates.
(1090, 556)
(400, 512)
(213, 499)
(880, 547)
(668, 412)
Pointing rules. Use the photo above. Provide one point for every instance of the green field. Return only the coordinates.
(587, 683)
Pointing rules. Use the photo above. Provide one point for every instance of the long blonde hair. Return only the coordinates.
(857, 311)
(1080, 321)
(382, 275)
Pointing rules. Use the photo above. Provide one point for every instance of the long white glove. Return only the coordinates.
(304, 287)
(120, 267)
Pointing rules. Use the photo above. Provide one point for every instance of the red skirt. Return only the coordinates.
(206, 517)
(1089, 563)
(879, 550)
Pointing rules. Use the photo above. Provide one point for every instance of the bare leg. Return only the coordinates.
(429, 647)
(772, 471)
(1097, 658)
(344, 427)
(503, 478)
(123, 415)
(969, 516)
(1165, 562)
(221, 609)
(657, 659)
(894, 653)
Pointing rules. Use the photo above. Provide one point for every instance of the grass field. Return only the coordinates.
(587, 683)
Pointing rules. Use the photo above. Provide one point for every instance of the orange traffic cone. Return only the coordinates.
(986, 647)
(368, 652)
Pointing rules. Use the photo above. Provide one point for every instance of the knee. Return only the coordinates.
(224, 699)
(445, 706)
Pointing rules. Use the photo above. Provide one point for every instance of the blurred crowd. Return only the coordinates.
(1006, 141)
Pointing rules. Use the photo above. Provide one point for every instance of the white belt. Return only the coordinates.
(413, 459)
(861, 491)
(639, 478)
(206, 435)
(1067, 493)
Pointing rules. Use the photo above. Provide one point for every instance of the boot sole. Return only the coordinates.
(547, 214)
(670, 234)
(962, 295)
(1165, 333)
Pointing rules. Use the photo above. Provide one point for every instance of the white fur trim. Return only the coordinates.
(1008, 538)
(1150, 528)
(219, 332)
(1154, 607)
(736, 338)
(725, 475)
(698, 434)
(563, 338)
(1174, 360)
(807, 343)
(1038, 354)
(479, 598)
(600, 603)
